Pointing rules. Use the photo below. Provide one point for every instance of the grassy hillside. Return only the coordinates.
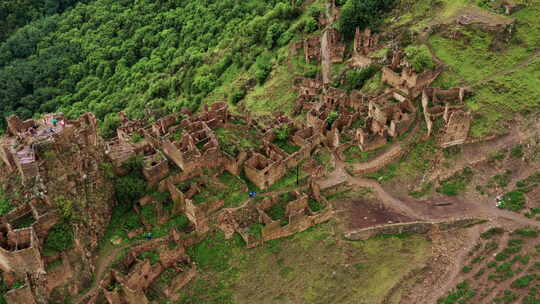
(315, 266)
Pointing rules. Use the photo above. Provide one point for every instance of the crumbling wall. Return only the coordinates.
(410, 228)
(297, 223)
(22, 295)
(20, 253)
(457, 129)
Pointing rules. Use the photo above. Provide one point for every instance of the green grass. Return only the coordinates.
(354, 155)
(287, 146)
(237, 138)
(276, 94)
(311, 266)
(229, 189)
(499, 99)
(417, 161)
(472, 58)
(289, 181)
(456, 183)
(324, 158)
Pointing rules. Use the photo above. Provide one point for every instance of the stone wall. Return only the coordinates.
(20, 254)
(410, 228)
(22, 295)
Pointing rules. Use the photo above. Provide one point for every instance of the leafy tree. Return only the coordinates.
(263, 67)
(362, 14)
(60, 238)
(5, 204)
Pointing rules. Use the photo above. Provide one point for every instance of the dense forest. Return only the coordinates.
(17, 13)
(109, 55)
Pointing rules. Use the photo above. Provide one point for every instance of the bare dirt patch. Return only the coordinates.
(363, 213)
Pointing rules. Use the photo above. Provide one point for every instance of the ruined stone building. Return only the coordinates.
(449, 105)
(400, 75)
(335, 45)
(311, 47)
(308, 93)
(302, 210)
(58, 160)
(365, 41)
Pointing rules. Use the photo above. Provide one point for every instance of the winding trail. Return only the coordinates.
(340, 175)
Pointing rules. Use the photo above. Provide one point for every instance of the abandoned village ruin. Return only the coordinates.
(184, 153)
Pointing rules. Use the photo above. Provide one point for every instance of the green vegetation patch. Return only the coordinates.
(298, 267)
(354, 155)
(59, 239)
(234, 139)
(461, 294)
(456, 183)
(5, 204)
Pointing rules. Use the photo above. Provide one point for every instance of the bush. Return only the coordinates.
(517, 151)
(523, 281)
(237, 95)
(355, 79)
(419, 57)
(5, 204)
(283, 133)
(513, 201)
(332, 117)
(528, 232)
(60, 238)
(263, 67)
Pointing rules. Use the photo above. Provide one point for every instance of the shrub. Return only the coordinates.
(501, 256)
(523, 282)
(5, 204)
(282, 133)
(263, 67)
(419, 57)
(314, 205)
(460, 295)
(237, 94)
(332, 117)
(528, 232)
(355, 79)
(513, 201)
(517, 151)
(60, 238)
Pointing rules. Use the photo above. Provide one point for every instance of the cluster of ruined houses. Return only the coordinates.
(190, 143)
(383, 116)
(254, 223)
(24, 229)
(127, 283)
